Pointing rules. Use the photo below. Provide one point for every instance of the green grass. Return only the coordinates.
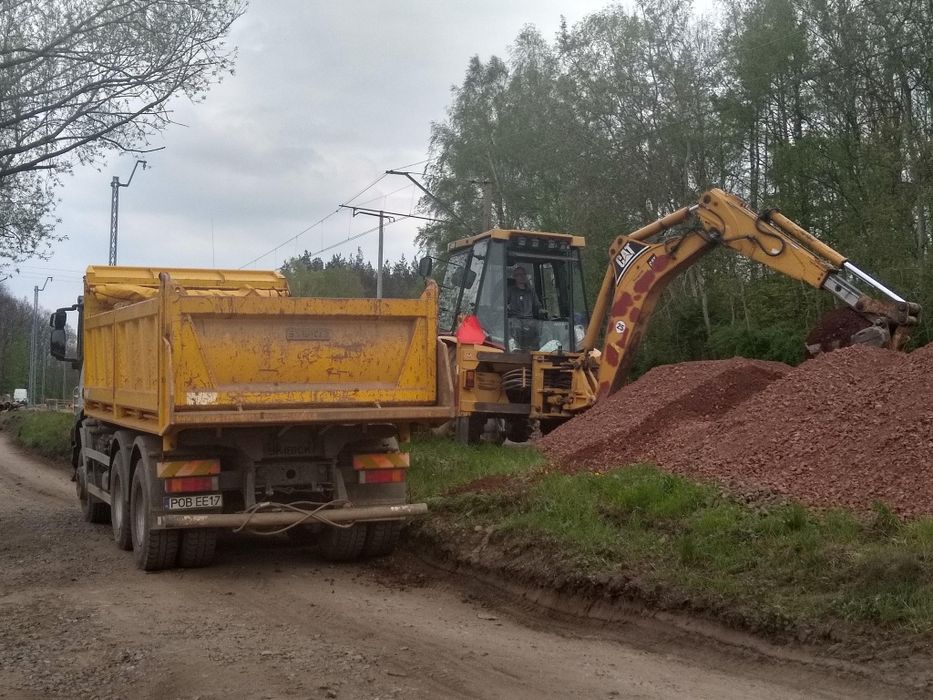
(440, 465)
(775, 564)
(47, 433)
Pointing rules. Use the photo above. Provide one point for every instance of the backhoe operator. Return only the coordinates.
(522, 305)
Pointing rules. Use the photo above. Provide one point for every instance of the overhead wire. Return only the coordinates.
(354, 237)
(320, 221)
(323, 219)
(290, 240)
(383, 196)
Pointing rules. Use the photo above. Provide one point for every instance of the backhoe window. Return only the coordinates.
(471, 281)
(450, 285)
(581, 317)
(489, 306)
(556, 315)
(549, 294)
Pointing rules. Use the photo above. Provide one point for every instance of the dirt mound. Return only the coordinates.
(848, 428)
(623, 427)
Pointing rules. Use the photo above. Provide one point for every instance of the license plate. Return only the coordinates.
(208, 500)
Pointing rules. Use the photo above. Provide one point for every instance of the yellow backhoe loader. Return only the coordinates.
(523, 346)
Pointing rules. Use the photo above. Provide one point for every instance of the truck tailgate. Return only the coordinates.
(251, 352)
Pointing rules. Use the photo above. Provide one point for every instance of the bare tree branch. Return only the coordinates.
(81, 77)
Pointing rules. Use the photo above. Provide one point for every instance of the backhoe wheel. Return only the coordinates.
(120, 503)
(519, 429)
(153, 549)
(342, 543)
(381, 538)
(94, 510)
(470, 429)
(197, 548)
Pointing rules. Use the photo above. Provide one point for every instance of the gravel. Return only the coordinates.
(849, 428)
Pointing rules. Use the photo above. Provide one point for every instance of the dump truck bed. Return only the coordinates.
(175, 349)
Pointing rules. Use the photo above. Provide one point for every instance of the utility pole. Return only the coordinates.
(382, 217)
(33, 350)
(115, 186)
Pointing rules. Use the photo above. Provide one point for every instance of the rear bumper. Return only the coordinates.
(284, 518)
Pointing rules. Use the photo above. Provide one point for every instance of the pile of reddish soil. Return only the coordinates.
(848, 428)
(623, 428)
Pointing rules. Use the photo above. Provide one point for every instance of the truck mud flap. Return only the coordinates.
(289, 517)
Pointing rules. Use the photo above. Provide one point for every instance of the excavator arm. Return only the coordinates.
(643, 263)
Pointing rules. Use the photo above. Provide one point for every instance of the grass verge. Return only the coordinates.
(47, 433)
(779, 566)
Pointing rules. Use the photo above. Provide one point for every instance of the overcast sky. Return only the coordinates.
(326, 97)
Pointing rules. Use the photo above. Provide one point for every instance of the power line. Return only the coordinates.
(383, 196)
(369, 186)
(325, 218)
(411, 165)
(316, 223)
(350, 239)
(42, 268)
(290, 240)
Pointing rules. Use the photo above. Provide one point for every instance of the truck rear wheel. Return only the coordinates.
(342, 543)
(120, 503)
(152, 549)
(301, 535)
(197, 548)
(381, 538)
(94, 511)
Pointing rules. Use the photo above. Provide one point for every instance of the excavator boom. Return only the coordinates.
(643, 263)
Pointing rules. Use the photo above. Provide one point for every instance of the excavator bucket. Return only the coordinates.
(842, 327)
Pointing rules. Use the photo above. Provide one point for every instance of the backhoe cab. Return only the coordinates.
(511, 308)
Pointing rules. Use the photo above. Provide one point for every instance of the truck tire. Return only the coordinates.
(342, 543)
(196, 548)
(301, 535)
(94, 511)
(120, 503)
(152, 549)
(381, 538)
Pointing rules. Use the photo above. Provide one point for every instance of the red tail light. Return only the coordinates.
(469, 379)
(382, 476)
(191, 484)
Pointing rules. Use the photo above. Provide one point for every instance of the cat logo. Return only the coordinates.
(625, 257)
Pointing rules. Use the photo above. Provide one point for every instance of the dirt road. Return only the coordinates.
(271, 620)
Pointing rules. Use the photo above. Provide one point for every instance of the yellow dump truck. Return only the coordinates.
(212, 399)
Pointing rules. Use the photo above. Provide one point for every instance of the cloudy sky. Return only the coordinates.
(326, 97)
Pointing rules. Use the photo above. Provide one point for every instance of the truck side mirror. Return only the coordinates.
(425, 266)
(57, 344)
(59, 320)
(58, 337)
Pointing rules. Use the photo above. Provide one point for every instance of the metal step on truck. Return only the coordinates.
(212, 399)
